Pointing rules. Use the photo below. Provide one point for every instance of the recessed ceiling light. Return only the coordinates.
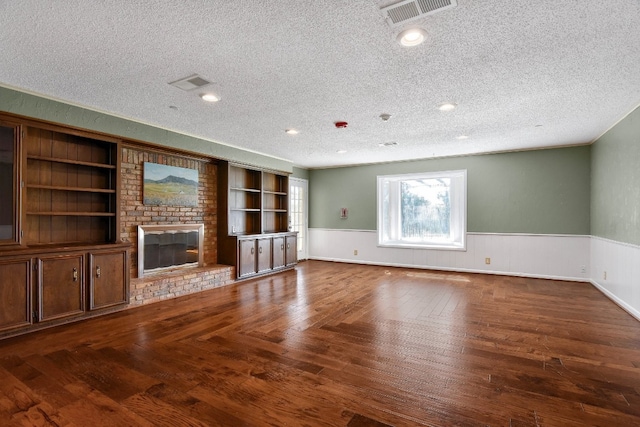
(462, 137)
(447, 106)
(341, 151)
(291, 131)
(411, 37)
(209, 97)
(387, 144)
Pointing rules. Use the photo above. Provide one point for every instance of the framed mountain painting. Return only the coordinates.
(170, 185)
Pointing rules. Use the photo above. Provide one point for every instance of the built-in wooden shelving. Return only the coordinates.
(61, 257)
(253, 220)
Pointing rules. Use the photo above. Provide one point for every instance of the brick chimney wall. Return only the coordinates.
(134, 213)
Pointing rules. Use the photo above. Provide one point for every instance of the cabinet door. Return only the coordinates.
(264, 254)
(60, 286)
(108, 279)
(246, 257)
(292, 249)
(278, 252)
(15, 301)
(9, 192)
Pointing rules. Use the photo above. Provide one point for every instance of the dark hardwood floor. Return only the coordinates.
(332, 344)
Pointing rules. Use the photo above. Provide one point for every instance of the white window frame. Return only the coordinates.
(457, 198)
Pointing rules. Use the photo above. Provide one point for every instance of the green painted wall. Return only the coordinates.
(24, 104)
(539, 192)
(615, 182)
(300, 173)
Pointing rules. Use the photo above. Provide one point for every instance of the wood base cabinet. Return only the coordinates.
(285, 252)
(291, 250)
(108, 278)
(254, 256)
(279, 252)
(263, 261)
(60, 286)
(15, 293)
(246, 257)
(39, 288)
(265, 254)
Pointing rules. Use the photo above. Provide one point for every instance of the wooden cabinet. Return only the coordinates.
(9, 182)
(60, 286)
(15, 293)
(108, 274)
(291, 249)
(253, 220)
(60, 248)
(264, 253)
(39, 288)
(246, 265)
(278, 252)
(263, 262)
(285, 253)
(254, 256)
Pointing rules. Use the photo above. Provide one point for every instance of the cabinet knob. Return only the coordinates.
(75, 274)
(282, 247)
(252, 251)
(288, 245)
(98, 271)
(260, 250)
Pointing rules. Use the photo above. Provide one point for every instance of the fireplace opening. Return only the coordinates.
(169, 247)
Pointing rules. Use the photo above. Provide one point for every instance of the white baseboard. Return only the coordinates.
(457, 270)
(626, 307)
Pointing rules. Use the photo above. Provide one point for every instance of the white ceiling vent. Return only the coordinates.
(190, 83)
(409, 10)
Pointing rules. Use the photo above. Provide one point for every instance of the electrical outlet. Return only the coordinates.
(487, 260)
(355, 252)
(583, 269)
(604, 276)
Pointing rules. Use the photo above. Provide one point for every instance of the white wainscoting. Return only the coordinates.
(621, 262)
(563, 257)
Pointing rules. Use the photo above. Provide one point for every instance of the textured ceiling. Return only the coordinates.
(524, 74)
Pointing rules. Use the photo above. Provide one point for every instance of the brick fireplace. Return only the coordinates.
(134, 212)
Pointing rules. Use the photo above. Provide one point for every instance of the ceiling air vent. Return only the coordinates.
(190, 83)
(409, 10)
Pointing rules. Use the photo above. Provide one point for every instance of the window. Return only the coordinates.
(423, 210)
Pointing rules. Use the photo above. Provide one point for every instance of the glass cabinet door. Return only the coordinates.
(8, 179)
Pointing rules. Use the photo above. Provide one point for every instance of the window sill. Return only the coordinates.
(442, 247)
